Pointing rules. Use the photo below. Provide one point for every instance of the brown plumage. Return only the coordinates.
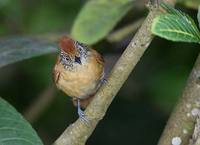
(79, 70)
(67, 45)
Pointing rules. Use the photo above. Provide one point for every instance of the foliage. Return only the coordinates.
(14, 129)
(97, 19)
(17, 49)
(176, 26)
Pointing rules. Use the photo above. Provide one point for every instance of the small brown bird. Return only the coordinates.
(79, 71)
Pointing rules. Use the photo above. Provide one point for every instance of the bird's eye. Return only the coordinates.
(66, 58)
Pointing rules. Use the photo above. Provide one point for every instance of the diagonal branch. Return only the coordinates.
(181, 123)
(195, 140)
(78, 132)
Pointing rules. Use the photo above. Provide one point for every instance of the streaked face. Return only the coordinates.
(71, 52)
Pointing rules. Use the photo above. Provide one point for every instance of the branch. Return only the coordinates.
(78, 132)
(196, 134)
(181, 123)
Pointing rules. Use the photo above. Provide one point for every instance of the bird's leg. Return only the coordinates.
(103, 79)
(81, 113)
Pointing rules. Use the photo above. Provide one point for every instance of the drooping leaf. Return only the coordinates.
(14, 129)
(97, 19)
(176, 26)
(16, 49)
(198, 16)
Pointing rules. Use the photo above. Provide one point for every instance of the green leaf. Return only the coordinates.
(175, 26)
(198, 16)
(97, 19)
(17, 49)
(14, 129)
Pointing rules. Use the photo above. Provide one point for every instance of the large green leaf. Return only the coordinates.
(176, 26)
(97, 19)
(14, 129)
(16, 49)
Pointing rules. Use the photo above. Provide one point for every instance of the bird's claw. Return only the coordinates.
(104, 81)
(82, 116)
(81, 113)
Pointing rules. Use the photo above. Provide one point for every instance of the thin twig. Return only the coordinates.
(78, 132)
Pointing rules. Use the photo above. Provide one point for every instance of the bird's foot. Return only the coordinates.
(104, 81)
(81, 113)
(82, 116)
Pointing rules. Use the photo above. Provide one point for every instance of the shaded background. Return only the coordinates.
(140, 110)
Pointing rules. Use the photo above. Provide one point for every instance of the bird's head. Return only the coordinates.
(71, 50)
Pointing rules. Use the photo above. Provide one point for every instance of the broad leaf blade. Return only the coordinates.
(14, 129)
(97, 19)
(16, 49)
(171, 10)
(175, 26)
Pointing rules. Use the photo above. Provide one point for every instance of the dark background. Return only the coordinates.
(139, 112)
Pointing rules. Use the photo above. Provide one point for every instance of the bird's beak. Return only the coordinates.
(78, 60)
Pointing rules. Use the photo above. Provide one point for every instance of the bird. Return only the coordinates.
(78, 72)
